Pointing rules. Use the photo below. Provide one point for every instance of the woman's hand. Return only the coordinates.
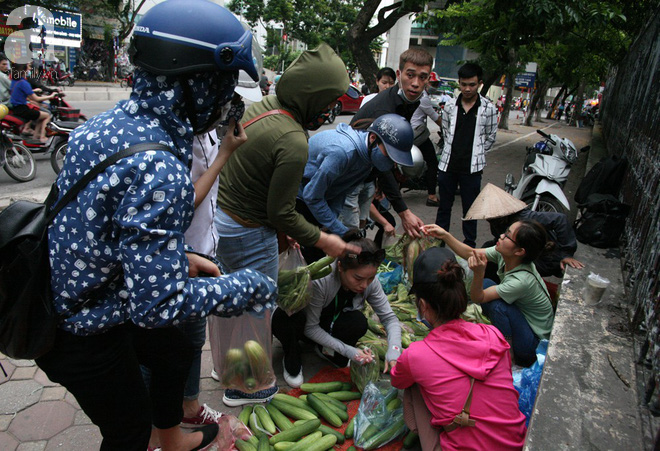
(363, 356)
(199, 265)
(570, 261)
(477, 263)
(234, 137)
(388, 366)
(389, 229)
(434, 230)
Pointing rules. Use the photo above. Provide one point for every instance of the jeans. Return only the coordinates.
(470, 186)
(103, 373)
(512, 323)
(356, 205)
(195, 331)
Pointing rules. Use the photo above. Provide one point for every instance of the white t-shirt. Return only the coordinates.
(424, 109)
(201, 234)
(367, 98)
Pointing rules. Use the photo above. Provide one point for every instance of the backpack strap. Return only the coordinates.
(96, 170)
(463, 418)
(268, 113)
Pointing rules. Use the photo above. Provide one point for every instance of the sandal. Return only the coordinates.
(209, 432)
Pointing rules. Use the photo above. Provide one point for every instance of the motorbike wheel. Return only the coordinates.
(546, 204)
(331, 117)
(57, 157)
(19, 163)
(123, 83)
(67, 82)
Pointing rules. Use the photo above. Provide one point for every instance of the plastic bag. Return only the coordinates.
(290, 298)
(230, 430)
(361, 375)
(526, 381)
(245, 355)
(389, 280)
(379, 419)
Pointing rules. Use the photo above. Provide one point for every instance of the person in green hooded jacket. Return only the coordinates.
(259, 183)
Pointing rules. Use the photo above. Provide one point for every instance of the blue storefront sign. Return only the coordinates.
(525, 80)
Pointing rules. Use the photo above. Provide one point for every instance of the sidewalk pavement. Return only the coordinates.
(36, 414)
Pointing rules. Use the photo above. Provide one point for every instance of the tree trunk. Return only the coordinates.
(488, 82)
(577, 101)
(555, 101)
(534, 104)
(510, 85)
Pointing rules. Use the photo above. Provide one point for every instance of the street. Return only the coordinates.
(507, 155)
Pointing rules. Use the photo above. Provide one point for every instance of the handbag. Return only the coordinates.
(28, 322)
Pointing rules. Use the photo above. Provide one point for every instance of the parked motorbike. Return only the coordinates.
(544, 174)
(57, 134)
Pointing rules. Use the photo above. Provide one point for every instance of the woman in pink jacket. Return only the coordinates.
(457, 361)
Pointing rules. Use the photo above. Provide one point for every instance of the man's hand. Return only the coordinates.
(570, 261)
(199, 265)
(477, 263)
(334, 246)
(389, 229)
(411, 223)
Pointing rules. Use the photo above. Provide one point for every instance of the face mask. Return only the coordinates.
(405, 99)
(232, 111)
(317, 121)
(380, 161)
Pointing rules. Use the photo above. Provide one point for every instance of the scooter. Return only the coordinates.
(57, 134)
(544, 174)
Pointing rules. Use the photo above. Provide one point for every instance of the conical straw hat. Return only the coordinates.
(493, 202)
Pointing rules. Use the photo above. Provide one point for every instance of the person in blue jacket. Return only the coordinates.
(339, 160)
(121, 273)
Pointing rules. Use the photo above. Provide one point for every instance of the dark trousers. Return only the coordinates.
(428, 152)
(378, 239)
(349, 327)
(310, 253)
(103, 373)
(470, 185)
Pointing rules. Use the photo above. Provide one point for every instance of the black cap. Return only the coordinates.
(428, 263)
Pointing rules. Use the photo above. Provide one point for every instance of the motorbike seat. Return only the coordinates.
(67, 124)
(13, 121)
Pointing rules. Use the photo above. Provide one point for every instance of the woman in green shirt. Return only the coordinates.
(519, 306)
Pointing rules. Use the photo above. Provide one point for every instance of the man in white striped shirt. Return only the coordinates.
(469, 126)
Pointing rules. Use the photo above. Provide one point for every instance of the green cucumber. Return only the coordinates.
(384, 436)
(265, 419)
(242, 445)
(263, 444)
(283, 446)
(244, 416)
(322, 387)
(369, 432)
(410, 440)
(253, 440)
(293, 411)
(350, 429)
(332, 401)
(345, 395)
(352, 448)
(297, 402)
(296, 432)
(393, 404)
(280, 420)
(324, 410)
(255, 425)
(328, 430)
(315, 443)
(346, 386)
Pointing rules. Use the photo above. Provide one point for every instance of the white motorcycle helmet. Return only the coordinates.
(417, 169)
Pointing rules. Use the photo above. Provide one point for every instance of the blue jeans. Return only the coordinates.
(512, 323)
(195, 331)
(470, 186)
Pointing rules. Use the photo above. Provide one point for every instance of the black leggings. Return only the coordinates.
(290, 330)
(428, 152)
(103, 373)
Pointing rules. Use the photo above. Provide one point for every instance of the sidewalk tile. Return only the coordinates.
(32, 446)
(81, 418)
(42, 421)
(85, 437)
(72, 400)
(9, 369)
(17, 395)
(24, 372)
(7, 442)
(5, 421)
(41, 377)
(22, 362)
(53, 394)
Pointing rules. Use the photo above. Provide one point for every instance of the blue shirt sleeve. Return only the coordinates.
(20, 92)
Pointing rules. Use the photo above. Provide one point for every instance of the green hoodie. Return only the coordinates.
(260, 181)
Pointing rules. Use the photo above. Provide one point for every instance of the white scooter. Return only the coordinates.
(544, 174)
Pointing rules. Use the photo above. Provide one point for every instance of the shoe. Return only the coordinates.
(293, 381)
(235, 398)
(206, 415)
(215, 375)
(432, 203)
(158, 448)
(209, 433)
